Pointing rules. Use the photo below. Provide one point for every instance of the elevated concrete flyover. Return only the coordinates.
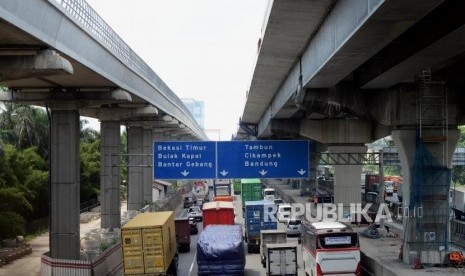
(346, 73)
(61, 54)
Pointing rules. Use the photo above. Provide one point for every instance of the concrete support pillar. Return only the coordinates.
(64, 155)
(309, 185)
(147, 171)
(110, 174)
(405, 141)
(135, 171)
(347, 177)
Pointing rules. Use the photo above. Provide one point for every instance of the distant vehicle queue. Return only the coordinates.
(220, 242)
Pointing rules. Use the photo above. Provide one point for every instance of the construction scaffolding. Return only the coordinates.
(429, 226)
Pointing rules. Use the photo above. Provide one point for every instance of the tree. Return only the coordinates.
(90, 170)
(24, 126)
(87, 134)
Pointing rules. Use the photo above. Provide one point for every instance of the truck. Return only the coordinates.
(281, 259)
(220, 250)
(237, 186)
(458, 202)
(183, 234)
(222, 187)
(223, 198)
(259, 215)
(269, 194)
(251, 190)
(200, 189)
(218, 212)
(149, 244)
(268, 237)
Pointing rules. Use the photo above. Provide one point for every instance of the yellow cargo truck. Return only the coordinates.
(149, 244)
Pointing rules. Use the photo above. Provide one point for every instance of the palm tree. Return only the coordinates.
(24, 126)
(87, 134)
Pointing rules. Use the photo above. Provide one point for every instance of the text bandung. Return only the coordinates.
(261, 164)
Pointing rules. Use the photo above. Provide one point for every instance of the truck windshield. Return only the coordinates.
(269, 192)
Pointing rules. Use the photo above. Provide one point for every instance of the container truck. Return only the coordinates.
(200, 189)
(259, 215)
(218, 212)
(251, 190)
(281, 259)
(270, 236)
(220, 251)
(237, 186)
(183, 234)
(222, 187)
(149, 244)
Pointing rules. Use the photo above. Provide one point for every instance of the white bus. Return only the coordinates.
(330, 248)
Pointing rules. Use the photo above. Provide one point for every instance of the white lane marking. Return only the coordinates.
(192, 265)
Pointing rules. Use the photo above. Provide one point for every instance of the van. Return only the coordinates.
(284, 212)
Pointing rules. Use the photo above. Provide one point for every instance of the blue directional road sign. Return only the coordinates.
(184, 160)
(262, 159)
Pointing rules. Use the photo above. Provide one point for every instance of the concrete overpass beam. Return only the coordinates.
(44, 63)
(110, 174)
(135, 170)
(64, 155)
(337, 131)
(405, 141)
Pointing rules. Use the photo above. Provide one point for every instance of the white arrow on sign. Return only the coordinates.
(262, 172)
(224, 173)
(301, 171)
(185, 173)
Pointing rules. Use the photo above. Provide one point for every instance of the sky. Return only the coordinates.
(202, 49)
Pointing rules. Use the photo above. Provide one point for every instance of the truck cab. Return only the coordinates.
(269, 194)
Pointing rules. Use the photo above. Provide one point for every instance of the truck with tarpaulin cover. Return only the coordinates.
(220, 251)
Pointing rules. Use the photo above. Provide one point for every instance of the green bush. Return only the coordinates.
(12, 225)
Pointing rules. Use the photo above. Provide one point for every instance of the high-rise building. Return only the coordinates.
(196, 108)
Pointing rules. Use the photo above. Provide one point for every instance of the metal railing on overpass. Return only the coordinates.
(83, 14)
(390, 158)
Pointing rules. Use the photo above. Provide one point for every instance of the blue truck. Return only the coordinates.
(220, 250)
(259, 215)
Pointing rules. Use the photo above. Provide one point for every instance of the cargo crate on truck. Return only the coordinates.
(219, 212)
(149, 244)
(183, 235)
(269, 237)
(281, 259)
(251, 190)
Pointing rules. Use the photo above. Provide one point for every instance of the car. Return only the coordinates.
(284, 212)
(188, 201)
(193, 226)
(195, 212)
(293, 227)
(278, 202)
